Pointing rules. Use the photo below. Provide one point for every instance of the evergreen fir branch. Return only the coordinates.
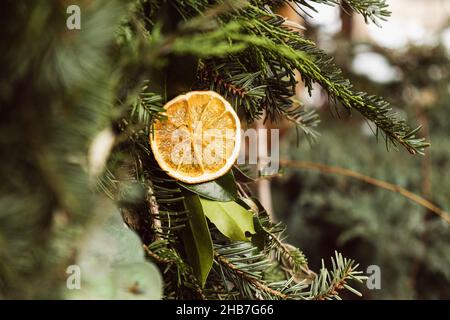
(241, 77)
(328, 283)
(190, 8)
(240, 81)
(314, 65)
(275, 50)
(244, 265)
(246, 270)
(290, 258)
(258, 284)
(169, 259)
(373, 10)
(107, 183)
(160, 253)
(172, 214)
(236, 83)
(306, 120)
(147, 107)
(165, 203)
(209, 44)
(165, 195)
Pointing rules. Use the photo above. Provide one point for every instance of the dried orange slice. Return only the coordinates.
(199, 140)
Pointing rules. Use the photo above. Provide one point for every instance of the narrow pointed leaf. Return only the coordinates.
(197, 239)
(220, 189)
(241, 176)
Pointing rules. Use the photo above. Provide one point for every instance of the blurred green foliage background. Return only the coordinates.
(374, 226)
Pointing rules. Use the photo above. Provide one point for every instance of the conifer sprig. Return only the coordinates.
(255, 69)
(373, 10)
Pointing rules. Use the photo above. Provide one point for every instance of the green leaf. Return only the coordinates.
(220, 189)
(197, 239)
(233, 220)
(241, 176)
(260, 237)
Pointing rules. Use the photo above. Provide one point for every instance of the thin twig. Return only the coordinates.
(375, 182)
(286, 252)
(156, 257)
(258, 284)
